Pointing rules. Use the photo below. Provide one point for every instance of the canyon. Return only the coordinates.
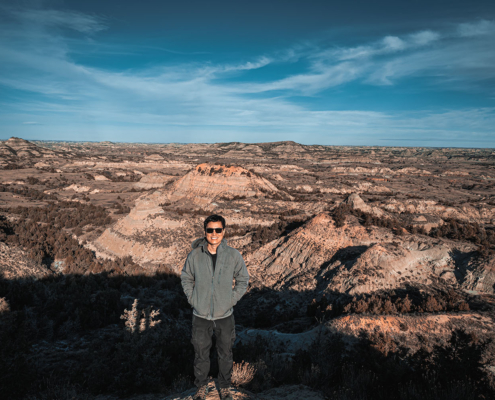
(395, 246)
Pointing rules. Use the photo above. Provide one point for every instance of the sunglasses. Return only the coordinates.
(217, 230)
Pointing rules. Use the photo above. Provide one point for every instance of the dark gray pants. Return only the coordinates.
(202, 331)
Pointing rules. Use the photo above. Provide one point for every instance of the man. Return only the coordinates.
(207, 278)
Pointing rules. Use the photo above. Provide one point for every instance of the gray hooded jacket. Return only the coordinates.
(210, 293)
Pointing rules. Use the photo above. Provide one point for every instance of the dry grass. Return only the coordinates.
(242, 373)
(139, 320)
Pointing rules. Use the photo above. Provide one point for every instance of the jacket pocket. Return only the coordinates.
(201, 301)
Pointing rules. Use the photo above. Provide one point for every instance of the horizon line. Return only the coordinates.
(255, 143)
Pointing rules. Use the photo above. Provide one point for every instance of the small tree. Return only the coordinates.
(137, 321)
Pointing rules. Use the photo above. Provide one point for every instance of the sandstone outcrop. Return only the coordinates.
(153, 180)
(289, 147)
(357, 203)
(78, 188)
(355, 259)
(23, 149)
(6, 150)
(99, 177)
(426, 213)
(478, 276)
(131, 165)
(147, 234)
(362, 171)
(424, 221)
(152, 237)
(208, 182)
(466, 212)
(357, 187)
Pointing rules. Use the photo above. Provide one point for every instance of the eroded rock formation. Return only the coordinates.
(207, 182)
(355, 259)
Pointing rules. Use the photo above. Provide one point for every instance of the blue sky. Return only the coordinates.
(387, 73)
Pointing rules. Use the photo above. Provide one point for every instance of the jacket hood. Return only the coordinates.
(201, 242)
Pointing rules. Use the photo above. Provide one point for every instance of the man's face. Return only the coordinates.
(214, 238)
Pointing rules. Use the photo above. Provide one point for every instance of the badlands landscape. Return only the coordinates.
(372, 269)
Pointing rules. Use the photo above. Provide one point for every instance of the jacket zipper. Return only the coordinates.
(212, 286)
(211, 302)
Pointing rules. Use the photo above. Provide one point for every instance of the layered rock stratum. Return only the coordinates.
(22, 148)
(355, 259)
(151, 236)
(207, 182)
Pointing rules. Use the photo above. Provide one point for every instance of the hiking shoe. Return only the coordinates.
(225, 394)
(201, 393)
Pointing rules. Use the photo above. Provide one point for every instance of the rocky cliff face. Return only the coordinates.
(484, 213)
(148, 235)
(355, 259)
(207, 182)
(426, 210)
(152, 236)
(350, 259)
(153, 180)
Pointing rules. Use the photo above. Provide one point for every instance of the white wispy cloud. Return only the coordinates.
(88, 24)
(479, 28)
(36, 58)
(260, 63)
(467, 62)
(423, 38)
(383, 62)
(386, 46)
(317, 80)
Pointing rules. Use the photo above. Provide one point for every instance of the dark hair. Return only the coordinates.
(215, 218)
